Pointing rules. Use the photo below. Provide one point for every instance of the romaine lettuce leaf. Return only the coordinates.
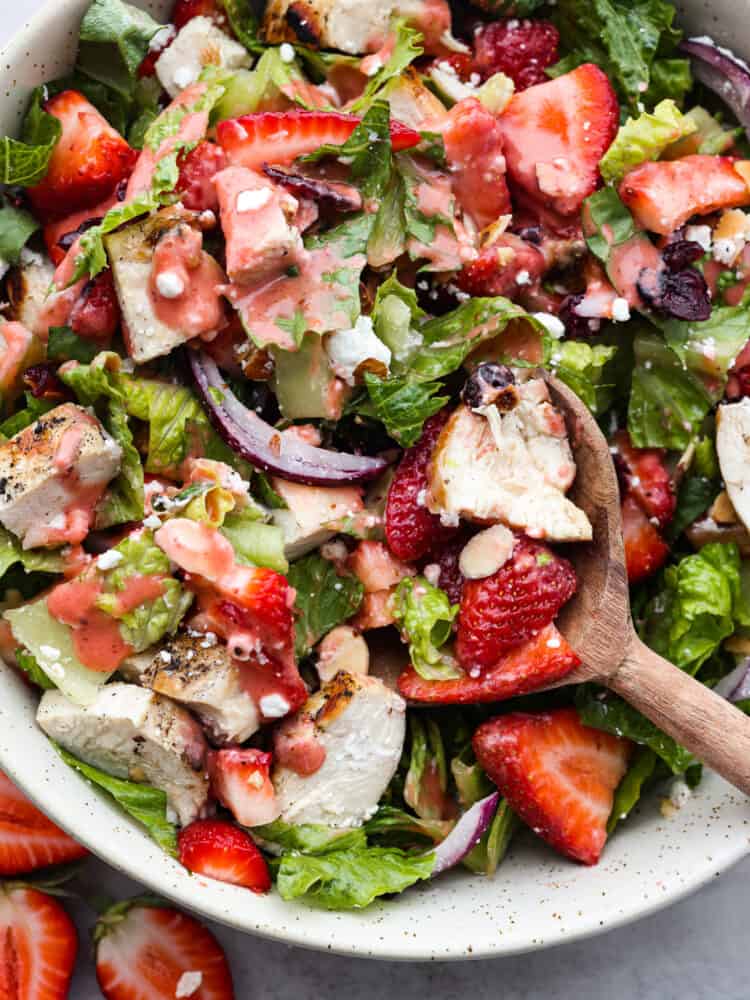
(244, 23)
(349, 879)
(426, 783)
(25, 162)
(407, 48)
(584, 368)
(144, 803)
(308, 838)
(402, 404)
(16, 226)
(33, 409)
(124, 498)
(28, 663)
(393, 827)
(324, 599)
(425, 616)
(367, 150)
(114, 39)
(491, 849)
(644, 138)
(255, 543)
(633, 41)
(607, 215)
(698, 605)
(32, 560)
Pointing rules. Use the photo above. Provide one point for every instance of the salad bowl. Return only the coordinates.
(535, 900)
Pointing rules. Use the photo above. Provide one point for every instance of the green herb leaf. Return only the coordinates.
(124, 498)
(402, 405)
(324, 599)
(343, 880)
(114, 41)
(64, 345)
(16, 226)
(25, 162)
(144, 803)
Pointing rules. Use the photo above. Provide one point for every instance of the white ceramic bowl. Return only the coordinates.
(536, 898)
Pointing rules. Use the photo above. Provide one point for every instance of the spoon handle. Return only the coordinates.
(704, 722)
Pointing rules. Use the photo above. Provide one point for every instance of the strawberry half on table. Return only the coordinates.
(38, 946)
(88, 162)
(28, 840)
(558, 775)
(146, 952)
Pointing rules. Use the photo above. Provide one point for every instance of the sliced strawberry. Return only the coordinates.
(241, 781)
(474, 148)
(28, 840)
(222, 851)
(186, 10)
(38, 945)
(156, 953)
(505, 267)
(87, 163)
(96, 313)
(541, 661)
(520, 49)
(513, 605)
(645, 477)
(557, 774)
(197, 171)
(282, 136)
(663, 196)
(410, 529)
(645, 549)
(557, 132)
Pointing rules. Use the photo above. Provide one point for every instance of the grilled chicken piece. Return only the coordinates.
(733, 451)
(520, 466)
(196, 671)
(27, 289)
(311, 513)
(138, 735)
(337, 755)
(52, 474)
(199, 43)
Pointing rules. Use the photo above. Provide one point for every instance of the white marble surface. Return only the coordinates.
(695, 950)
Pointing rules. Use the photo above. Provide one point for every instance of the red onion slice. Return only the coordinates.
(723, 73)
(466, 834)
(264, 446)
(736, 686)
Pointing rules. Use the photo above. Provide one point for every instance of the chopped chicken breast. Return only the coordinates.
(52, 474)
(521, 466)
(199, 43)
(733, 451)
(28, 287)
(135, 734)
(197, 671)
(311, 514)
(353, 729)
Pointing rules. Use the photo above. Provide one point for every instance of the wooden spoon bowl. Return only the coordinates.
(598, 625)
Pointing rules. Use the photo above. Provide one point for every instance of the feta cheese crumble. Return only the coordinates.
(110, 559)
(251, 201)
(189, 984)
(170, 285)
(274, 706)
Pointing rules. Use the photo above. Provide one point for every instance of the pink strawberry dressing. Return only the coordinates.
(197, 307)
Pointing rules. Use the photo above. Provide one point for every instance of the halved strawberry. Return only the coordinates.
(522, 49)
(241, 781)
(282, 136)
(557, 774)
(557, 132)
(663, 196)
(645, 549)
(541, 661)
(38, 945)
(474, 148)
(156, 953)
(410, 529)
(513, 605)
(28, 840)
(222, 851)
(646, 478)
(197, 171)
(96, 313)
(87, 164)
(505, 267)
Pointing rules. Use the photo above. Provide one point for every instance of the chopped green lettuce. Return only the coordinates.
(308, 838)
(425, 616)
(114, 41)
(50, 642)
(151, 620)
(24, 162)
(32, 560)
(402, 405)
(350, 879)
(644, 138)
(64, 345)
(324, 599)
(255, 543)
(24, 417)
(585, 369)
(244, 23)
(393, 827)
(144, 803)
(633, 41)
(610, 221)
(604, 710)
(698, 605)
(367, 151)
(407, 48)
(124, 498)
(16, 226)
(485, 858)
(28, 663)
(629, 790)
(426, 783)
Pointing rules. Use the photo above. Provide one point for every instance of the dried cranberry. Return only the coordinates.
(680, 254)
(491, 384)
(575, 325)
(679, 295)
(42, 382)
(532, 234)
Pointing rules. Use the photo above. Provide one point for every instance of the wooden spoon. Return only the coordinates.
(598, 625)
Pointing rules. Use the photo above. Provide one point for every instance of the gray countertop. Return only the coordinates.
(687, 952)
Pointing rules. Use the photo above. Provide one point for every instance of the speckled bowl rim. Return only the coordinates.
(536, 900)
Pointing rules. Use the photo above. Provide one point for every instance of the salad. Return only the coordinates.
(284, 515)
